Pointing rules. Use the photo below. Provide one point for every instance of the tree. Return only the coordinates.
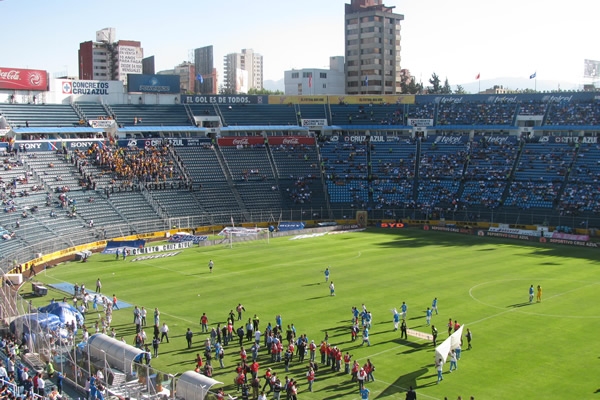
(460, 90)
(436, 87)
(264, 91)
(412, 87)
(446, 89)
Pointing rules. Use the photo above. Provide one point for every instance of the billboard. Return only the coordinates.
(23, 79)
(241, 81)
(224, 99)
(240, 141)
(130, 60)
(291, 140)
(591, 69)
(97, 88)
(153, 83)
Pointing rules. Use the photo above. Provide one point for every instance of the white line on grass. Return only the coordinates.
(531, 313)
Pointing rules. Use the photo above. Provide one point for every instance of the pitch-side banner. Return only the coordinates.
(23, 79)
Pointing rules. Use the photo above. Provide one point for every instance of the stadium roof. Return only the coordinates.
(267, 128)
(135, 129)
(46, 130)
(567, 128)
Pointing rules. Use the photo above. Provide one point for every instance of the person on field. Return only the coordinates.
(539, 294)
(531, 291)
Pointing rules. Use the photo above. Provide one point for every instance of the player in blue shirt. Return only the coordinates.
(428, 316)
(364, 393)
(434, 305)
(404, 308)
(327, 274)
(531, 291)
(396, 319)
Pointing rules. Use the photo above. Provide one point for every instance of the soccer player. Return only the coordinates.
(404, 308)
(531, 290)
(396, 319)
(539, 294)
(434, 305)
(211, 264)
(428, 316)
(327, 274)
(332, 289)
(366, 337)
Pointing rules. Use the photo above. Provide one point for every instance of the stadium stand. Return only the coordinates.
(40, 115)
(476, 157)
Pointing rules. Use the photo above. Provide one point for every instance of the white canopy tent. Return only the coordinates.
(118, 355)
(194, 386)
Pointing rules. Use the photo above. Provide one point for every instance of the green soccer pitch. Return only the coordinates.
(520, 350)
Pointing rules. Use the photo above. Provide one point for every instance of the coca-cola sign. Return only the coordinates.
(291, 140)
(241, 140)
(23, 79)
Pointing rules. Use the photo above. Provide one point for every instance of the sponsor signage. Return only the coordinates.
(101, 123)
(568, 139)
(570, 236)
(47, 145)
(23, 79)
(450, 139)
(448, 229)
(130, 60)
(291, 140)
(513, 231)
(140, 143)
(224, 99)
(153, 83)
(389, 99)
(569, 242)
(505, 235)
(96, 88)
(290, 226)
(391, 225)
(188, 238)
(297, 99)
(420, 121)
(358, 138)
(240, 140)
(314, 122)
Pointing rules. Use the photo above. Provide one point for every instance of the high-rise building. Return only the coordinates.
(316, 81)
(206, 73)
(243, 71)
(107, 59)
(372, 48)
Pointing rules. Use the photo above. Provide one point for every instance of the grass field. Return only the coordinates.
(520, 350)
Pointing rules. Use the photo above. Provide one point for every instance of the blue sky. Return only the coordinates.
(457, 40)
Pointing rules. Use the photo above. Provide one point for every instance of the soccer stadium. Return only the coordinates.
(233, 178)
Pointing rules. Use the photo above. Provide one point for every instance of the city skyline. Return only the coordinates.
(457, 41)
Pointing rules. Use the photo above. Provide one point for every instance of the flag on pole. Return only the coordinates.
(478, 76)
(532, 76)
(310, 80)
(199, 78)
(366, 80)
